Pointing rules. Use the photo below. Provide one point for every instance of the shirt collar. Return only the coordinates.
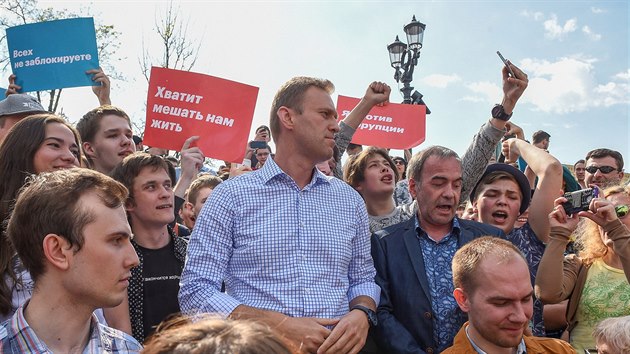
(521, 349)
(455, 229)
(271, 170)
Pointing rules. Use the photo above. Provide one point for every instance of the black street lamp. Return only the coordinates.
(404, 59)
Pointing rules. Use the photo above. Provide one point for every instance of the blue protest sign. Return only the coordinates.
(53, 54)
(3, 93)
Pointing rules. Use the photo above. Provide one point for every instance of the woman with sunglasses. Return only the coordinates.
(596, 280)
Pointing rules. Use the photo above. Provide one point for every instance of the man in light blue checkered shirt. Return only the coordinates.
(291, 244)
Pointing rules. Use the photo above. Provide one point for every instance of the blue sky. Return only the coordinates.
(575, 53)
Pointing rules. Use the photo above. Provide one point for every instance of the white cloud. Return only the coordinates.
(537, 16)
(623, 75)
(590, 34)
(484, 92)
(569, 85)
(597, 10)
(553, 30)
(440, 81)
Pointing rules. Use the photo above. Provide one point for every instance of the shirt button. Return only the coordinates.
(428, 315)
(429, 350)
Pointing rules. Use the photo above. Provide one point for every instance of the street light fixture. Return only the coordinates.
(404, 58)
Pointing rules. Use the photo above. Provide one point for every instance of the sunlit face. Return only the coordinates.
(316, 126)
(379, 177)
(99, 272)
(500, 307)
(153, 198)
(438, 190)
(112, 143)
(59, 150)
(262, 155)
(580, 171)
(400, 167)
(600, 178)
(202, 196)
(498, 204)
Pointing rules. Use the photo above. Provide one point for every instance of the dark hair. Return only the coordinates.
(539, 136)
(50, 203)
(291, 95)
(602, 152)
(131, 166)
(401, 159)
(214, 336)
(354, 169)
(17, 153)
(89, 124)
(578, 162)
(417, 161)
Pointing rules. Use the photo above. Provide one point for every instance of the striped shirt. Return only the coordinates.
(302, 252)
(16, 337)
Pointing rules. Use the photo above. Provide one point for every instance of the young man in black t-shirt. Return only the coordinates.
(154, 284)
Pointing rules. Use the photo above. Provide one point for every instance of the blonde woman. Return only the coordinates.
(596, 280)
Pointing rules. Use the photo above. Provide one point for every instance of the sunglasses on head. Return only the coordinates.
(604, 169)
(622, 210)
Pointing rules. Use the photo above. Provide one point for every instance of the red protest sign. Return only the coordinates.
(181, 104)
(393, 126)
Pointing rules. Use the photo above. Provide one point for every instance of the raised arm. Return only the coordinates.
(101, 91)
(556, 275)
(549, 172)
(377, 93)
(481, 148)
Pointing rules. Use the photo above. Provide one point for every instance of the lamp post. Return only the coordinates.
(404, 58)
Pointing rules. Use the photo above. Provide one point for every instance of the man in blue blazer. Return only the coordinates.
(417, 312)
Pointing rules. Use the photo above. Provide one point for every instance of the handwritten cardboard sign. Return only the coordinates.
(393, 126)
(181, 104)
(53, 54)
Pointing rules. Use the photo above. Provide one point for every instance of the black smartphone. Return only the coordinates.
(579, 200)
(506, 63)
(257, 144)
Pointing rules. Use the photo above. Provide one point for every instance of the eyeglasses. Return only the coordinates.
(622, 210)
(604, 169)
(398, 162)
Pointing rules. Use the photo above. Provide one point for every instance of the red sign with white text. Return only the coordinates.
(181, 104)
(393, 126)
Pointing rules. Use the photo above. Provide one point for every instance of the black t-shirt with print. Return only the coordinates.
(161, 274)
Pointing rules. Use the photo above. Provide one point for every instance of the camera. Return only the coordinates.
(579, 200)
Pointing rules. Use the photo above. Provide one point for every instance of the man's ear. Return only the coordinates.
(462, 299)
(57, 251)
(412, 188)
(286, 117)
(88, 149)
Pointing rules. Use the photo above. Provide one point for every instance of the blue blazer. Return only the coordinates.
(405, 318)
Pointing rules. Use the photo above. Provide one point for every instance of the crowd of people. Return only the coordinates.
(109, 246)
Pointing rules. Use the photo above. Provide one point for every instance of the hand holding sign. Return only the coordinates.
(102, 90)
(53, 54)
(181, 104)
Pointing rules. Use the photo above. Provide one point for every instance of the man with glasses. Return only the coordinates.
(604, 167)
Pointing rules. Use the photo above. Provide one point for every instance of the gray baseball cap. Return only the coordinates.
(20, 103)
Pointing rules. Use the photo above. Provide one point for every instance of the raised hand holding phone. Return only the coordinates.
(506, 63)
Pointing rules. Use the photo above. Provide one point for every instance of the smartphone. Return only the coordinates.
(579, 200)
(506, 63)
(257, 144)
